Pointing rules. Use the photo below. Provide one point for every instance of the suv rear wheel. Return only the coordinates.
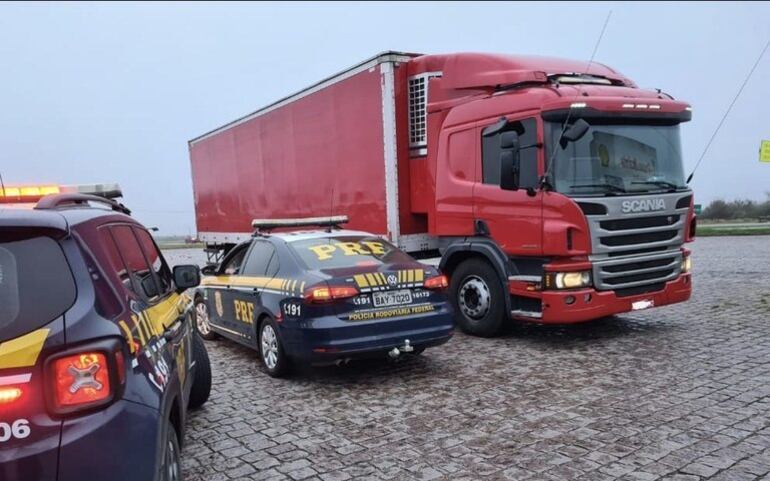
(478, 298)
(171, 470)
(201, 388)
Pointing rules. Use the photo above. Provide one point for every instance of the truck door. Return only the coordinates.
(514, 218)
(247, 297)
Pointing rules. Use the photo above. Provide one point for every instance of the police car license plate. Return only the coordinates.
(392, 298)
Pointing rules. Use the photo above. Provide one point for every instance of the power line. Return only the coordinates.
(719, 126)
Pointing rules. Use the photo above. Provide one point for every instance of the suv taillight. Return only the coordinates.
(85, 378)
(9, 394)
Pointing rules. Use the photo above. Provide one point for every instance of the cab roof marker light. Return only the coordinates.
(689, 109)
(654, 107)
(628, 106)
(641, 106)
(578, 105)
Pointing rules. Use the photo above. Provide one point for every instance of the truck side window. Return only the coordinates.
(490, 156)
(258, 260)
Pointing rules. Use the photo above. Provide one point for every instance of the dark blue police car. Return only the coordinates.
(99, 360)
(321, 297)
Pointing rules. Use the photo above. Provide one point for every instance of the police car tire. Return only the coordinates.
(171, 454)
(281, 367)
(492, 322)
(201, 388)
(211, 334)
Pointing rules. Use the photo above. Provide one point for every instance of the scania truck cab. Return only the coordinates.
(560, 194)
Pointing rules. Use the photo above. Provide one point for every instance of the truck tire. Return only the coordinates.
(201, 388)
(202, 324)
(478, 298)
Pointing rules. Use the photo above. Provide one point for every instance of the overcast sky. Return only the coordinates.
(113, 92)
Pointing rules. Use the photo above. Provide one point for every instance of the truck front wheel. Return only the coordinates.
(477, 297)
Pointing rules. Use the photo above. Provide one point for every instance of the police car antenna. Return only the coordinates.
(331, 212)
(2, 184)
(719, 126)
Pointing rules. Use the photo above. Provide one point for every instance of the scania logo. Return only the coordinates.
(643, 205)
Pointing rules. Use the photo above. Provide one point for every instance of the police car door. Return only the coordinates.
(220, 290)
(247, 293)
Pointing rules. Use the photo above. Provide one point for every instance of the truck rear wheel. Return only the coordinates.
(478, 299)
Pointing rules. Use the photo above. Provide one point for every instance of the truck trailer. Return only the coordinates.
(552, 189)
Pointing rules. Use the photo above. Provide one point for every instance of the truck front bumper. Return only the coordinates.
(580, 305)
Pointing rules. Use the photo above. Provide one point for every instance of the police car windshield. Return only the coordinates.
(347, 251)
(36, 285)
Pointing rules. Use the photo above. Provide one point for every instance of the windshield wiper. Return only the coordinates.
(610, 187)
(660, 183)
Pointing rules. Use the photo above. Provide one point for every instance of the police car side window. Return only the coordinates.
(233, 265)
(156, 261)
(259, 258)
(139, 272)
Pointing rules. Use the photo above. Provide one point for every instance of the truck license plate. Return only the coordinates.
(392, 298)
(644, 304)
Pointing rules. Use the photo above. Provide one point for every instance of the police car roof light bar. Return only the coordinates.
(63, 200)
(263, 225)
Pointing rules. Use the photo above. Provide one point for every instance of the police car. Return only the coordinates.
(99, 360)
(322, 296)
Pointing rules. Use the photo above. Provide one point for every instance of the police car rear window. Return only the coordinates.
(36, 285)
(336, 252)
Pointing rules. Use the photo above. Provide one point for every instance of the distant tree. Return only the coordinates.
(717, 209)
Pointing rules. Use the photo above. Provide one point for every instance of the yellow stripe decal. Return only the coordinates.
(246, 281)
(410, 275)
(420, 275)
(142, 339)
(127, 333)
(361, 280)
(22, 351)
(370, 278)
(383, 280)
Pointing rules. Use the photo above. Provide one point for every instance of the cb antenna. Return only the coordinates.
(2, 184)
(719, 126)
(544, 179)
(331, 211)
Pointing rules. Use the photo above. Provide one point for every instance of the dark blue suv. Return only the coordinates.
(99, 360)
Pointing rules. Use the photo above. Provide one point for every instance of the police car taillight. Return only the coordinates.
(79, 381)
(322, 293)
(9, 394)
(438, 282)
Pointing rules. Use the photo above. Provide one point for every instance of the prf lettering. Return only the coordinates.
(363, 248)
(244, 311)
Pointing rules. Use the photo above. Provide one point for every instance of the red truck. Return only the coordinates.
(553, 189)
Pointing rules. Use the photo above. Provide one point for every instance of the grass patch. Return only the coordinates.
(714, 230)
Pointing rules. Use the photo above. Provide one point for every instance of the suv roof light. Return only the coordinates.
(29, 193)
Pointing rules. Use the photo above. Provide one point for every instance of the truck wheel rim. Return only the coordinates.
(473, 297)
(269, 347)
(202, 318)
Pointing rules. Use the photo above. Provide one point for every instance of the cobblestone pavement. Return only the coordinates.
(680, 393)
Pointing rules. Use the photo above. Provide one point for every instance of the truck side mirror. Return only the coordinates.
(510, 165)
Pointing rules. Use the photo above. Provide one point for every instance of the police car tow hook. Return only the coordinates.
(407, 346)
(394, 353)
(342, 362)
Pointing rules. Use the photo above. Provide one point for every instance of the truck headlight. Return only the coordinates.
(567, 280)
(686, 264)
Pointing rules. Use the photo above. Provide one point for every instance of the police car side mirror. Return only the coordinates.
(186, 276)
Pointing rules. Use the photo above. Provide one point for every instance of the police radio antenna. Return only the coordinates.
(727, 112)
(544, 178)
(2, 184)
(331, 211)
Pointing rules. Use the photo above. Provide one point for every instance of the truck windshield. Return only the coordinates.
(612, 159)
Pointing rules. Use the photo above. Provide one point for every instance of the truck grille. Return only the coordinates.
(636, 251)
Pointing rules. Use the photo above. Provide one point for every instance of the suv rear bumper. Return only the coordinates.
(580, 305)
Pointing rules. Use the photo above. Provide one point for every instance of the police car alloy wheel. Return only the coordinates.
(202, 320)
(171, 470)
(269, 346)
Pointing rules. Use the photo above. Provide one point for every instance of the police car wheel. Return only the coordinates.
(201, 388)
(202, 324)
(171, 470)
(477, 297)
(270, 350)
